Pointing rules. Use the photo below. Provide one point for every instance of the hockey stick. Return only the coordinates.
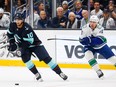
(62, 39)
(4, 45)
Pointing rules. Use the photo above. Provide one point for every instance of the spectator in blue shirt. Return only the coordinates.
(78, 10)
(65, 8)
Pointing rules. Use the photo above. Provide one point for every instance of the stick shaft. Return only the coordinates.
(63, 39)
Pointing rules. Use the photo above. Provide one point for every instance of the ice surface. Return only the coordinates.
(77, 78)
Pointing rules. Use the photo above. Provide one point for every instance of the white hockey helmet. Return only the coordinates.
(1, 10)
(94, 18)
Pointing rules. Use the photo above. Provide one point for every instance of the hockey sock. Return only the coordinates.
(113, 60)
(34, 70)
(31, 67)
(54, 66)
(93, 63)
(57, 69)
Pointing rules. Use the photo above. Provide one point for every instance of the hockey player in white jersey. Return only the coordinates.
(4, 19)
(94, 42)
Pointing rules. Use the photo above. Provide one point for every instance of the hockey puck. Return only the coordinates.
(16, 83)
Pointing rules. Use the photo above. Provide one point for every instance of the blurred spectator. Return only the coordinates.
(72, 22)
(60, 20)
(107, 22)
(48, 8)
(103, 3)
(22, 9)
(7, 5)
(110, 3)
(78, 10)
(113, 13)
(43, 22)
(4, 19)
(91, 5)
(2, 4)
(85, 18)
(111, 9)
(20, 3)
(35, 20)
(40, 7)
(65, 8)
(97, 11)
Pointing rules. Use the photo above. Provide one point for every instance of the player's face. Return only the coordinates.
(19, 23)
(92, 24)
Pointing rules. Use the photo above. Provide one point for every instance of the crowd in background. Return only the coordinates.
(70, 14)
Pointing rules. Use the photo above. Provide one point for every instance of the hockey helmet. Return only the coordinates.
(18, 16)
(94, 18)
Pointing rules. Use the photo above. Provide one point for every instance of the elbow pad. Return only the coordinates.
(98, 40)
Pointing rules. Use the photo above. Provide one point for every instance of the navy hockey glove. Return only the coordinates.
(85, 41)
(12, 47)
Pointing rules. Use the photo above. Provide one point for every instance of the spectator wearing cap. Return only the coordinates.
(78, 9)
(65, 8)
(107, 22)
(60, 20)
(4, 19)
(72, 21)
(97, 11)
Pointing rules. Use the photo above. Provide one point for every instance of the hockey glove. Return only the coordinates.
(85, 41)
(12, 47)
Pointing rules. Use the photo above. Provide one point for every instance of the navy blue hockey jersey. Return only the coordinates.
(25, 36)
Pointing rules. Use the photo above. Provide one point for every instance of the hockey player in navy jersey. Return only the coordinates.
(94, 42)
(21, 35)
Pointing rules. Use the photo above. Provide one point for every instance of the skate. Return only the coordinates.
(100, 74)
(63, 76)
(38, 77)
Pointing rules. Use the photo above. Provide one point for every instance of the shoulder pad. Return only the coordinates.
(84, 26)
(99, 26)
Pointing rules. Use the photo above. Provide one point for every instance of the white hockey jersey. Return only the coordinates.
(109, 24)
(5, 21)
(87, 31)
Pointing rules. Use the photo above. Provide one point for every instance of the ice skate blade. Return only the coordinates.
(102, 78)
(40, 80)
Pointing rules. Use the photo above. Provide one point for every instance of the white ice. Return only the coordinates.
(77, 78)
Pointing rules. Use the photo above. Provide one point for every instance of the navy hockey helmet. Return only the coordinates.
(18, 16)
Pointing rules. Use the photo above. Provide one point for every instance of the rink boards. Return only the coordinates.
(68, 54)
